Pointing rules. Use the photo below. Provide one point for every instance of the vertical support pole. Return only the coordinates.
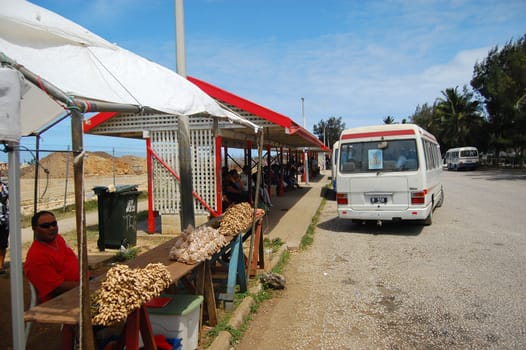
(17, 303)
(306, 167)
(248, 163)
(185, 170)
(219, 178)
(86, 331)
(257, 258)
(149, 165)
(225, 156)
(256, 200)
(68, 337)
(205, 287)
(146, 330)
(183, 129)
(269, 160)
(282, 173)
(37, 170)
(131, 329)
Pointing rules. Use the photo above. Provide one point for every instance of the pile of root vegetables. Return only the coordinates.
(195, 245)
(124, 290)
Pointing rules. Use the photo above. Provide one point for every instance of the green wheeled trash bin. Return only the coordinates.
(117, 216)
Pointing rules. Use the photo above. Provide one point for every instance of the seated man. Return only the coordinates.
(233, 188)
(51, 266)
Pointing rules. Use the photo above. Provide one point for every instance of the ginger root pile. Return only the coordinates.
(124, 290)
(237, 219)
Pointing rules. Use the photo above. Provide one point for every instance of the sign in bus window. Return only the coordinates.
(376, 160)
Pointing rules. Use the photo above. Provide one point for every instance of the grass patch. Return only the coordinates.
(308, 238)
(125, 255)
(283, 260)
(273, 244)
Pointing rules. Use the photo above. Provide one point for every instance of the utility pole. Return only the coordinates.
(183, 128)
(303, 112)
(305, 150)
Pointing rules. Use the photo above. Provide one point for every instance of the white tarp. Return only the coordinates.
(82, 64)
(10, 94)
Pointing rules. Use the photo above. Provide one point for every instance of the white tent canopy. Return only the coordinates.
(87, 68)
(84, 65)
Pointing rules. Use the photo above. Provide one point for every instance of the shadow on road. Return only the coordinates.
(496, 174)
(396, 228)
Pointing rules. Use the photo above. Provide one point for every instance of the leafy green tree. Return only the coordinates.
(424, 117)
(500, 79)
(328, 131)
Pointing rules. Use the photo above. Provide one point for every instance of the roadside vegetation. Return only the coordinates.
(489, 114)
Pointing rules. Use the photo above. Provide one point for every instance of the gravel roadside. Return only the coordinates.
(458, 284)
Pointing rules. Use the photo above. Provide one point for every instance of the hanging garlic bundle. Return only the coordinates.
(125, 289)
(195, 245)
(237, 219)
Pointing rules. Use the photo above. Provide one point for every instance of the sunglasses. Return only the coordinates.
(48, 224)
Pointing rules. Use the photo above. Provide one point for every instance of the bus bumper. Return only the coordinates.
(385, 215)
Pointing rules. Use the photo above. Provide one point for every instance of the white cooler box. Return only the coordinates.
(179, 318)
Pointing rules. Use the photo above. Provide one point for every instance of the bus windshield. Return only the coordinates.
(393, 155)
(469, 153)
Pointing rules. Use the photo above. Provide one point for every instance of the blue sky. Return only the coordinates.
(359, 60)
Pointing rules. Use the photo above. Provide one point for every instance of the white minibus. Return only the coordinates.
(388, 173)
(461, 158)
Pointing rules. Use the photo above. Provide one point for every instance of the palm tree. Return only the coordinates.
(389, 120)
(459, 115)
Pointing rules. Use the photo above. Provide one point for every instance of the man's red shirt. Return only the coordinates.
(49, 264)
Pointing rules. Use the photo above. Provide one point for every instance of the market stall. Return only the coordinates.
(97, 76)
(187, 258)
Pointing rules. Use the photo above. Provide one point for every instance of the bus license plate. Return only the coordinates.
(378, 200)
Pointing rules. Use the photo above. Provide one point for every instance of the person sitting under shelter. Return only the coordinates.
(51, 265)
(233, 188)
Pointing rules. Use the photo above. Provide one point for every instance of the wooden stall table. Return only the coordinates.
(65, 308)
(233, 257)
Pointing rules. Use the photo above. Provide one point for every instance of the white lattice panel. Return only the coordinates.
(166, 195)
(203, 168)
(166, 192)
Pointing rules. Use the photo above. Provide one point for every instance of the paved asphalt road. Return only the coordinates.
(457, 284)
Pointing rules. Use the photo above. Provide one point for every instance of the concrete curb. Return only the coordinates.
(242, 311)
(221, 342)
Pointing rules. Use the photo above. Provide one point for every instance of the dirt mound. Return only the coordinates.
(60, 165)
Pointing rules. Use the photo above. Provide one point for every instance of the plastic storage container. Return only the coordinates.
(179, 318)
(117, 215)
